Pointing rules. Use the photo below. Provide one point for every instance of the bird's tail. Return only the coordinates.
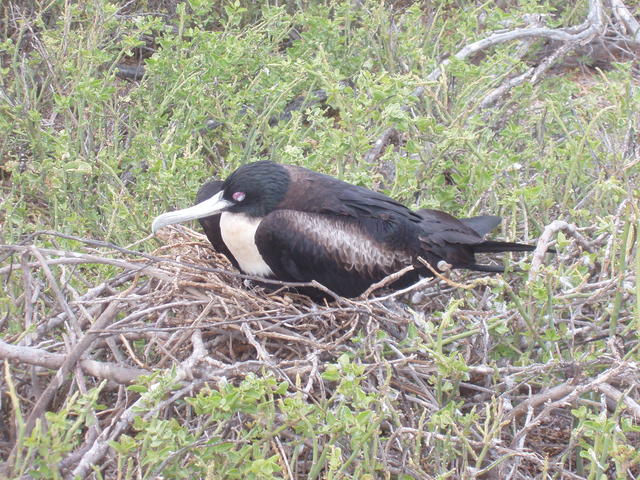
(493, 246)
(485, 268)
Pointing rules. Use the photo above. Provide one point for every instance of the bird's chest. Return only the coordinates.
(239, 235)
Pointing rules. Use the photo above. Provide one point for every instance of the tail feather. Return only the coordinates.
(482, 224)
(492, 246)
(485, 268)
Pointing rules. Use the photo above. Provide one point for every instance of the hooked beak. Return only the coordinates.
(210, 206)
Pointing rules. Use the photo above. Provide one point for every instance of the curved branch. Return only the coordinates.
(622, 13)
(35, 356)
(545, 240)
(584, 33)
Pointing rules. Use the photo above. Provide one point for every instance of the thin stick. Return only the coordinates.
(386, 281)
(56, 290)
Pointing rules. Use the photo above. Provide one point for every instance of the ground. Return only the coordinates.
(134, 356)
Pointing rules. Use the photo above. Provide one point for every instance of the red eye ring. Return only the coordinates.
(238, 196)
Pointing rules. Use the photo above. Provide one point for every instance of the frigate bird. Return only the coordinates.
(289, 223)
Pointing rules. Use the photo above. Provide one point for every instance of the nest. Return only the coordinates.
(184, 310)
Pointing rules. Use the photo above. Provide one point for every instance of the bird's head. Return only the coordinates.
(254, 189)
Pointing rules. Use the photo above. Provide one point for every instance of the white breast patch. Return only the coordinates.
(238, 233)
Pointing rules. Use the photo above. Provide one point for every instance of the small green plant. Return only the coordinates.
(604, 444)
(86, 152)
(39, 454)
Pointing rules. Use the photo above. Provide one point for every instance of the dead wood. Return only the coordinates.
(211, 324)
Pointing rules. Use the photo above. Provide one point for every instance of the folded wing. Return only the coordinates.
(342, 253)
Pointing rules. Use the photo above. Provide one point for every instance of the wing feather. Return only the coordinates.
(340, 253)
(311, 191)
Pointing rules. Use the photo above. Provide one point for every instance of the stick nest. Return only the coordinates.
(184, 308)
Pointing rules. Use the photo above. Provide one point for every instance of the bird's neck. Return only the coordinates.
(238, 232)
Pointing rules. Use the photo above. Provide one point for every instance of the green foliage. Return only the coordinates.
(228, 63)
(62, 431)
(605, 442)
(84, 152)
(265, 410)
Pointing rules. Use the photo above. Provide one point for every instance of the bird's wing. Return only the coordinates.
(456, 241)
(444, 237)
(362, 201)
(311, 191)
(344, 254)
(440, 227)
(482, 224)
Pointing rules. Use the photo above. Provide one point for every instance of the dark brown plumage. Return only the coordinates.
(293, 224)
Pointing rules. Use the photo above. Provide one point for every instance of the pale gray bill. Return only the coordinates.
(210, 206)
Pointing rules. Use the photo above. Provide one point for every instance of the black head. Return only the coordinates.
(256, 189)
(208, 190)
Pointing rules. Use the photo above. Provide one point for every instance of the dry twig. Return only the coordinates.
(211, 328)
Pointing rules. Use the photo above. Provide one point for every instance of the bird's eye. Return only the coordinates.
(238, 196)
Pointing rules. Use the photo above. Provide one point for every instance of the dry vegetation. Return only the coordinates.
(163, 362)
